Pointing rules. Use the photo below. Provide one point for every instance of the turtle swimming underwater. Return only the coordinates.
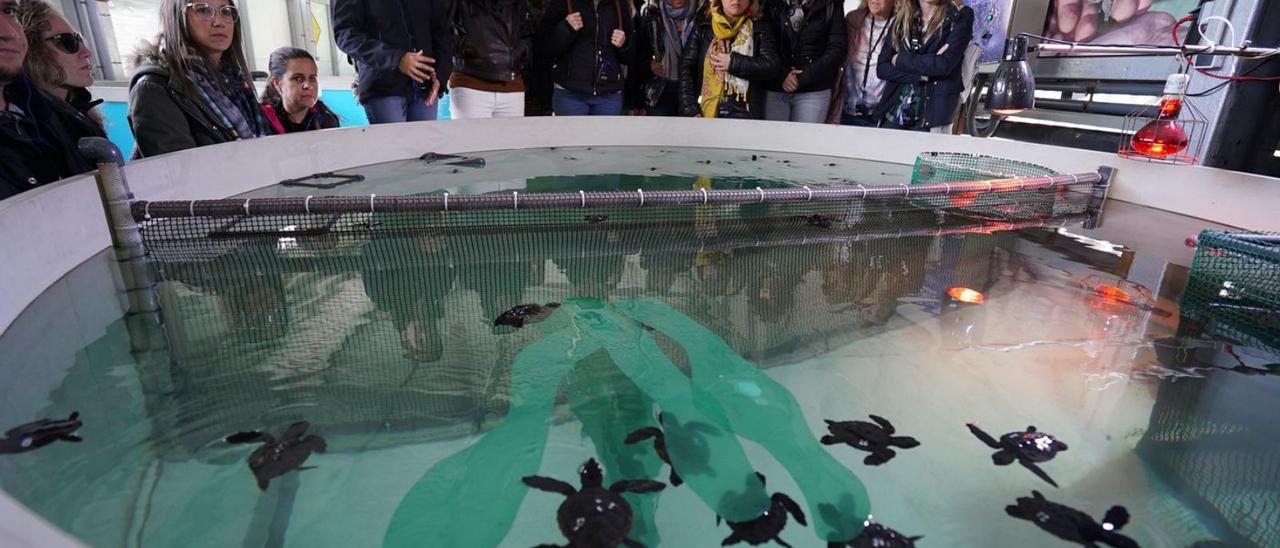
(37, 434)
(873, 535)
(525, 313)
(698, 447)
(1028, 448)
(1073, 525)
(873, 438)
(769, 525)
(277, 458)
(594, 517)
(818, 220)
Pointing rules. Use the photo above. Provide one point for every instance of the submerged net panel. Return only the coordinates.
(1216, 447)
(1234, 287)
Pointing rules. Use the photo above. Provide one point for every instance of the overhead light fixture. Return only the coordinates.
(1013, 87)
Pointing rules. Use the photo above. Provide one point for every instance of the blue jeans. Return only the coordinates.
(572, 103)
(393, 109)
(797, 107)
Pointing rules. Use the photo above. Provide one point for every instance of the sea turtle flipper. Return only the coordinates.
(1003, 458)
(985, 437)
(263, 483)
(643, 434)
(637, 486)
(829, 440)
(315, 443)
(675, 479)
(246, 437)
(884, 423)
(879, 457)
(631, 543)
(1058, 445)
(549, 484)
(1038, 472)
(731, 539)
(72, 438)
(782, 543)
(791, 507)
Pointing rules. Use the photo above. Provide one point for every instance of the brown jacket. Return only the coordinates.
(854, 22)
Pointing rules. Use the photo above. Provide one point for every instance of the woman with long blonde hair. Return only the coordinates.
(921, 64)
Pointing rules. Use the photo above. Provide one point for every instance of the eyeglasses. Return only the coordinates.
(70, 42)
(206, 11)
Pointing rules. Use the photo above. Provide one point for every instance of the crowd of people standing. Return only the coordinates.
(888, 63)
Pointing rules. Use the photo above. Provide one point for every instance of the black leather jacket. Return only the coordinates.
(40, 146)
(585, 61)
(494, 38)
(760, 69)
(818, 48)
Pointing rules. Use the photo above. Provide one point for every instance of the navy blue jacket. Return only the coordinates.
(40, 147)
(375, 34)
(941, 73)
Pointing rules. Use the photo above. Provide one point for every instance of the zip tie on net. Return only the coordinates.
(371, 202)
(246, 206)
(948, 187)
(583, 194)
(1075, 179)
(989, 186)
(864, 191)
(515, 199)
(704, 196)
(810, 191)
(446, 201)
(191, 208)
(908, 189)
(146, 211)
(761, 191)
(641, 196)
(306, 205)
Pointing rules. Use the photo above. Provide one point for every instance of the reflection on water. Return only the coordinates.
(664, 361)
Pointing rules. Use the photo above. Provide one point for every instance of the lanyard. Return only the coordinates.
(871, 47)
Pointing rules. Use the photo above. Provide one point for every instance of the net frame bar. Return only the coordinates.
(231, 207)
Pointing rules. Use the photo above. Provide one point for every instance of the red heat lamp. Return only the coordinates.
(1168, 135)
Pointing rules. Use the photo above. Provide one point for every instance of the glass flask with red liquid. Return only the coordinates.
(1164, 136)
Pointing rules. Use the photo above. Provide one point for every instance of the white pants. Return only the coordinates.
(470, 103)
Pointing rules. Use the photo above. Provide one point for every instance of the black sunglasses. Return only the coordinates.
(70, 42)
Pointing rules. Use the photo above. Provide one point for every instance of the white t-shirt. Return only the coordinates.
(861, 84)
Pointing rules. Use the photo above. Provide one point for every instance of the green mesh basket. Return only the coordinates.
(951, 167)
(1234, 287)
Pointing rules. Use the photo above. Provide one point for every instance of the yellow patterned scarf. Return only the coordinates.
(737, 33)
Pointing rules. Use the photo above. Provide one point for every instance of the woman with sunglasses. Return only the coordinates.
(58, 59)
(192, 86)
(921, 64)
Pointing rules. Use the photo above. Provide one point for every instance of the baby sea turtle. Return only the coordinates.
(1073, 525)
(1028, 448)
(37, 434)
(873, 535)
(594, 516)
(874, 438)
(769, 525)
(699, 452)
(277, 458)
(525, 313)
(593, 219)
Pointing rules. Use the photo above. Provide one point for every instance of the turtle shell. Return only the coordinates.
(764, 528)
(595, 517)
(1033, 446)
(868, 433)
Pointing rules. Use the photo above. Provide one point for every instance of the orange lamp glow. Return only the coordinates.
(966, 295)
(964, 199)
(1112, 294)
(1164, 136)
